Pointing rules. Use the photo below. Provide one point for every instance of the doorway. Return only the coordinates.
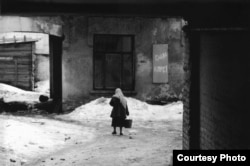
(27, 62)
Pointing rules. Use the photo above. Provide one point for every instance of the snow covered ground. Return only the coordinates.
(25, 139)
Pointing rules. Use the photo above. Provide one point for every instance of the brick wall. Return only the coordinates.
(223, 91)
(223, 79)
(185, 98)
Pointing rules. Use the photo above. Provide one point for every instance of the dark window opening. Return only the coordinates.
(113, 62)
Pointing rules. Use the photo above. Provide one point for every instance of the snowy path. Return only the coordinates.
(23, 139)
(137, 147)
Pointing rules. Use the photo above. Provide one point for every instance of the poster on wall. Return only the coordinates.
(160, 63)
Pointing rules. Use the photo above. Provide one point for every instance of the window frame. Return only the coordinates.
(132, 53)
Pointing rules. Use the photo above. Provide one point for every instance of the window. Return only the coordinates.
(113, 62)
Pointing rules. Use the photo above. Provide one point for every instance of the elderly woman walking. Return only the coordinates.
(119, 111)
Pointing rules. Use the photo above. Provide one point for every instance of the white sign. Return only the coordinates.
(160, 63)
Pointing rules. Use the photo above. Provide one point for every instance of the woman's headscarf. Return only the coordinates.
(118, 94)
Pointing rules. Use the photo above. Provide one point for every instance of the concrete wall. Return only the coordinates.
(42, 68)
(78, 52)
(30, 24)
(77, 59)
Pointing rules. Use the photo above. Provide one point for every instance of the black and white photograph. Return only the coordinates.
(124, 82)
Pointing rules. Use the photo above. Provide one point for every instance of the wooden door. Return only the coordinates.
(16, 65)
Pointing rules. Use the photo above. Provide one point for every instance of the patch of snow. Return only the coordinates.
(13, 94)
(5, 87)
(100, 109)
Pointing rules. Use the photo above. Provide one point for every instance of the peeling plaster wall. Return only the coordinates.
(77, 59)
(78, 52)
(159, 31)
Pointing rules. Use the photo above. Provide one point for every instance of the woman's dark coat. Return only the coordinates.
(118, 110)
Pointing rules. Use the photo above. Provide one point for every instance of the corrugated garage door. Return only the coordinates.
(16, 65)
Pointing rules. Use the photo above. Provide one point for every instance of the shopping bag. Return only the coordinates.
(128, 123)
